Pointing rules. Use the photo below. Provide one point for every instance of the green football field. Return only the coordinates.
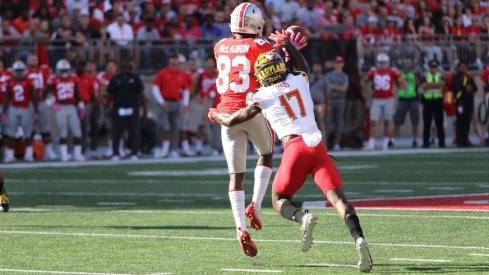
(173, 217)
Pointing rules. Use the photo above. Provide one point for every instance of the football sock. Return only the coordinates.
(198, 145)
(109, 144)
(262, 177)
(28, 153)
(290, 212)
(49, 150)
(237, 199)
(77, 150)
(165, 147)
(63, 148)
(353, 224)
(185, 145)
(371, 142)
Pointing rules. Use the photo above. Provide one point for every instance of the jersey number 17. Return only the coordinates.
(284, 101)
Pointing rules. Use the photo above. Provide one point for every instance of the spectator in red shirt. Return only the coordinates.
(458, 30)
(21, 23)
(189, 30)
(171, 92)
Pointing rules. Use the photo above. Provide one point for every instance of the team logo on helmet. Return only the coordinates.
(269, 68)
(247, 18)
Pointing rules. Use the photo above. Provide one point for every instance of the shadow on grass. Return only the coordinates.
(481, 268)
(403, 268)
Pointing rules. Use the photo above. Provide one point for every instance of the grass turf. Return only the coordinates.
(98, 219)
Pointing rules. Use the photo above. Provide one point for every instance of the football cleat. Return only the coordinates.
(253, 214)
(4, 203)
(308, 223)
(247, 245)
(364, 258)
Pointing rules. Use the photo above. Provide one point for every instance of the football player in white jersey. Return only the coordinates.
(285, 101)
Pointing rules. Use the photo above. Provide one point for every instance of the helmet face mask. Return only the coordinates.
(269, 68)
(18, 70)
(63, 68)
(247, 18)
(383, 61)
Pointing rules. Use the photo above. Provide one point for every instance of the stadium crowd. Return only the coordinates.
(96, 39)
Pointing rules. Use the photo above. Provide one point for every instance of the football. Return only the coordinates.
(298, 29)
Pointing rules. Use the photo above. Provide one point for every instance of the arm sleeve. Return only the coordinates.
(157, 95)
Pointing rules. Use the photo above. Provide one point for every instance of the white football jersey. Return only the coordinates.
(289, 108)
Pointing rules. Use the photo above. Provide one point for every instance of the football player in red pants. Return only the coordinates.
(285, 101)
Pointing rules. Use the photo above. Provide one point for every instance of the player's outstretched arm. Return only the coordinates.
(237, 117)
(296, 58)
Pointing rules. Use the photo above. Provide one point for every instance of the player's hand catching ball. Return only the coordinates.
(281, 37)
(299, 36)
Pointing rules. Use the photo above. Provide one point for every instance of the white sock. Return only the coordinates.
(198, 144)
(262, 177)
(371, 142)
(185, 145)
(109, 145)
(237, 199)
(77, 150)
(122, 149)
(49, 149)
(165, 148)
(63, 149)
(28, 153)
(9, 153)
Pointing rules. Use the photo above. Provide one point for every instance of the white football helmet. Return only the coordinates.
(247, 18)
(63, 68)
(383, 60)
(18, 70)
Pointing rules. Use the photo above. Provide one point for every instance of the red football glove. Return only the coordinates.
(280, 37)
(209, 114)
(298, 40)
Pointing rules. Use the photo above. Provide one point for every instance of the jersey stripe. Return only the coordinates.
(242, 13)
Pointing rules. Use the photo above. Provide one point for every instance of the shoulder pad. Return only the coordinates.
(301, 73)
(261, 41)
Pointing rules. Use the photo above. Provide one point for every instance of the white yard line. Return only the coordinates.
(104, 235)
(330, 265)
(478, 255)
(445, 188)
(251, 270)
(116, 203)
(57, 272)
(420, 260)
